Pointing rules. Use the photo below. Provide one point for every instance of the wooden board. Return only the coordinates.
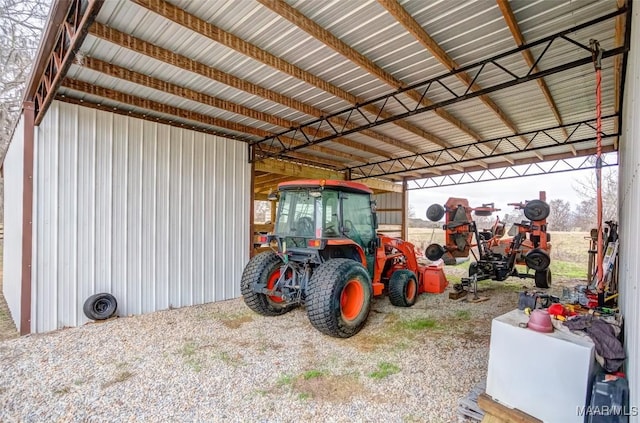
(456, 295)
(498, 413)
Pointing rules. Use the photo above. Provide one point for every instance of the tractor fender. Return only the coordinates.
(351, 244)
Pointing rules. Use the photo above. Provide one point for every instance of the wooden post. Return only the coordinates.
(273, 212)
(252, 200)
(405, 211)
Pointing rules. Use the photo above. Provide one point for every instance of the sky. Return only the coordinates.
(502, 192)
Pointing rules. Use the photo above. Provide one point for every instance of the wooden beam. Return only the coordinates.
(512, 23)
(150, 50)
(227, 39)
(294, 16)
(166, 87)
(270, 184)
(308, 172)
(297, 170)
(381, 185)
(267, 177)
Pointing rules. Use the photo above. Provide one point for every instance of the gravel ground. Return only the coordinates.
(222, 362)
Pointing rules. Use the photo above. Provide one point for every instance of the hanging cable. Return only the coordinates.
(596, 53)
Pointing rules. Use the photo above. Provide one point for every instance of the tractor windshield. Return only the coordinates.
(308, 213)
(296, 214)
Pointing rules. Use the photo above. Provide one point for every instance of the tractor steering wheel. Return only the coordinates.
(305, 226)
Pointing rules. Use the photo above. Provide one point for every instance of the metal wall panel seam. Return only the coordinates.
(168, 219)
(199, 209)
(109, 216)
(192, 215)
(53, 146)
(93, 251)
(179, 224)
(74, 239)
(140, 217)
(39, 259)
(37, 253)
(155, 220)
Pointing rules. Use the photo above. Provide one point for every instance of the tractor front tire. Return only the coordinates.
(263, 268)
(339, 297)
(542, 278)
(403, 288)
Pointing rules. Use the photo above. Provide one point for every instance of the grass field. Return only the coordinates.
(569, 257)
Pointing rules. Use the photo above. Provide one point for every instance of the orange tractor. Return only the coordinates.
(327, 256)
(528, 242)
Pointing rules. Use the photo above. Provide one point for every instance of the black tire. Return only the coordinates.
(435, 212)
(473, 268)
(339, 297)
(434, 252)
(537, 259)
(536, 210)
(100, 306)
(263, 268)
(542, 278)
(403, 288)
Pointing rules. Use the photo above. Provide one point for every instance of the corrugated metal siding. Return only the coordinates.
(155, 215)
(392, 200)
(12, 243)
(629, 193)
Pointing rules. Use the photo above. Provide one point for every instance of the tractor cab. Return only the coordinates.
(326, 219)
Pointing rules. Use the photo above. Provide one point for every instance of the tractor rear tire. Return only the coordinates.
(542, 278)
(403, 288)
(263, 268)
(339, 297)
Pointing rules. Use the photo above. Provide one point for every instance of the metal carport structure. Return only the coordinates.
(246, 94)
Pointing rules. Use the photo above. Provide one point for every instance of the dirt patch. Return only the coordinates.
(235, 323)
(330, 388)
(369, 343)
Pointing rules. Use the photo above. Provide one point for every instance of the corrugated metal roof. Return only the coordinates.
(468, 31)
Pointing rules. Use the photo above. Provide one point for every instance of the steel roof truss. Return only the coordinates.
(383, 117)
(444, 157)
(555, 166)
